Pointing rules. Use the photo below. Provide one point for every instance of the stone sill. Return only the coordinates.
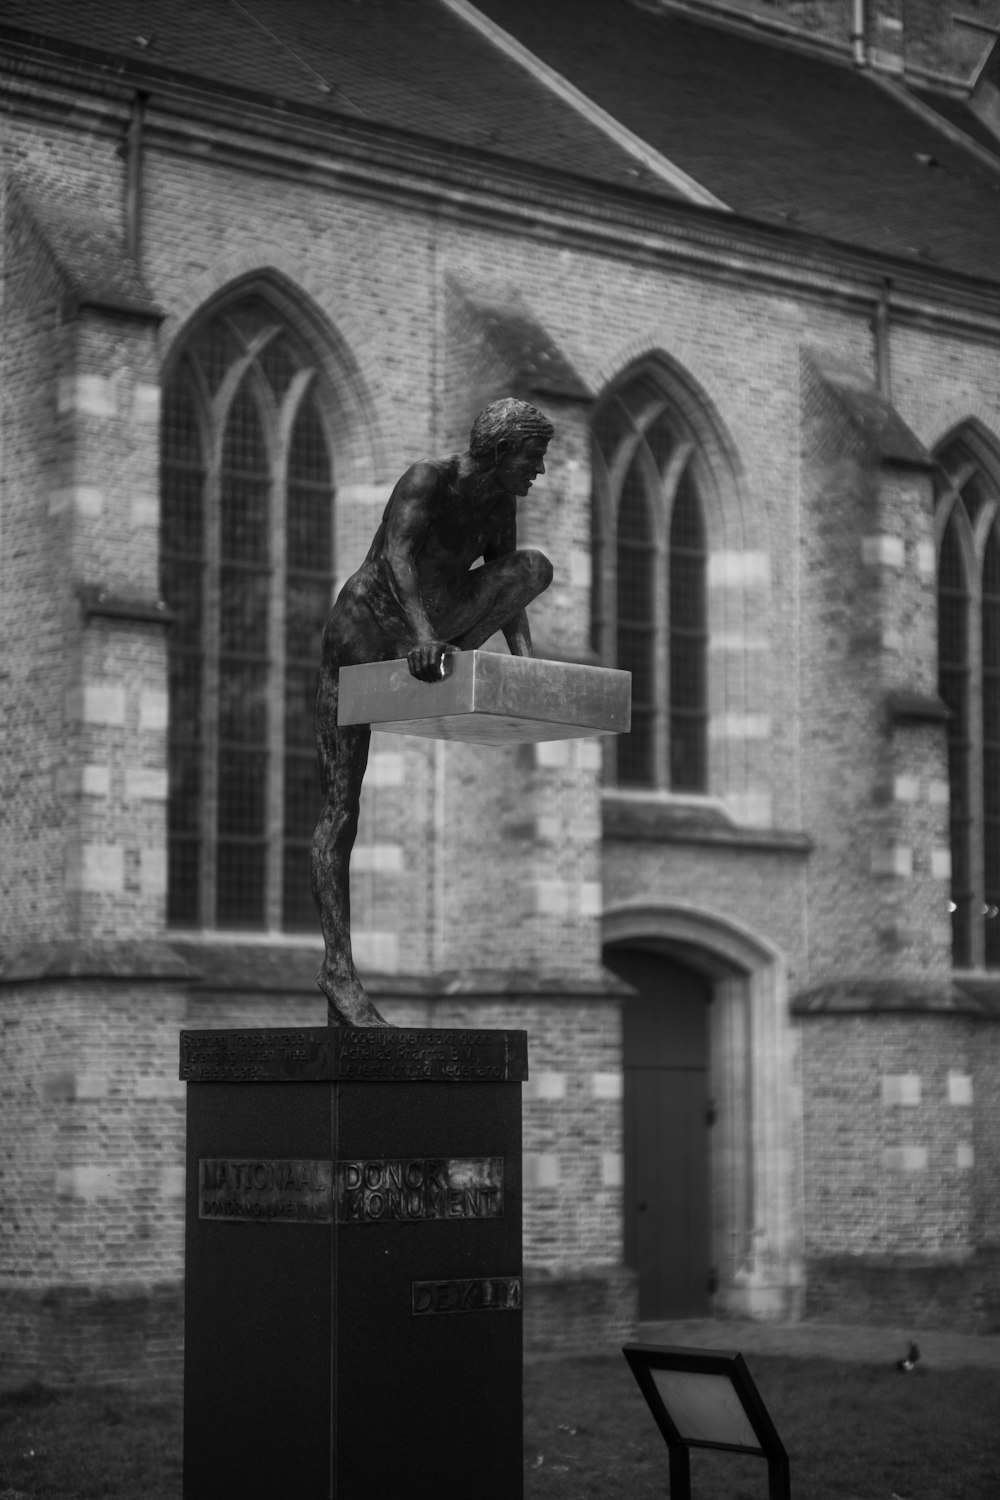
(255, 967)
(861, 996)
(93, 959)
(653, 819)
(273, 965)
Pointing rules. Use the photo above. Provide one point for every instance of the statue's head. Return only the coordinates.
(505, 425)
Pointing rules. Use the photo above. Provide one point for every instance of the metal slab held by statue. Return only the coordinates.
(487, 698)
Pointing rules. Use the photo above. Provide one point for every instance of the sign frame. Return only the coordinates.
(696, 1366)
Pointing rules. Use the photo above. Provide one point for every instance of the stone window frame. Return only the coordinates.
(696, 458)
(967, 522)
(309, 385)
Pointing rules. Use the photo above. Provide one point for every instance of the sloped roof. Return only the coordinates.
(408, 64)
(777, 133)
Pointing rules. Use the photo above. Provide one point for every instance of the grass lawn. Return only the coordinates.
(853, 1432)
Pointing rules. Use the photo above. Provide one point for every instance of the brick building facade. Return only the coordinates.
(236, 303)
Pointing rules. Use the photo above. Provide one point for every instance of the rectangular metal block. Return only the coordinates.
(489, 699)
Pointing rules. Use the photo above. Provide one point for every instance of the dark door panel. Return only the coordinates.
(667, 1208)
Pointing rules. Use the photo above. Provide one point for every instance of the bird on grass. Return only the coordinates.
(909, 1363)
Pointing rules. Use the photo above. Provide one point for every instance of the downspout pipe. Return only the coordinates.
(134, 178)
(883, 351)
(858, 29)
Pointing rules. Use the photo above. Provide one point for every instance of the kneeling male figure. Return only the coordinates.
(418, 595)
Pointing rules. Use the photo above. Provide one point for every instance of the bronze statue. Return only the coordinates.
(418, 595)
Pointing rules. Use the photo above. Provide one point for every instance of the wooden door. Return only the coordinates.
(667, 1122)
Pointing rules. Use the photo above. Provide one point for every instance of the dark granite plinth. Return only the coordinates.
(353, 1323)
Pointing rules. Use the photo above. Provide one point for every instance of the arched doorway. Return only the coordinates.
(754, 1172)
(668, 1116)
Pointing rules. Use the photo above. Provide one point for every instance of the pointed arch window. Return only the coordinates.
(247, 568)
(969, 684)
(650, 598)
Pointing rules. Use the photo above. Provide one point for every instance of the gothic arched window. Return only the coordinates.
(969, 684)
(650, 570)
(247, 568)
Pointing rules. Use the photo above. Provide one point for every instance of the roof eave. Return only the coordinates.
(630, 208)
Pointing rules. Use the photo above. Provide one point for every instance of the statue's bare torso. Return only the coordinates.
(418, 585)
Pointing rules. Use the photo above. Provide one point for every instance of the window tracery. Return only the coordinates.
(247, 568)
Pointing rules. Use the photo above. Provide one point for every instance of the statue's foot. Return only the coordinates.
(348, 1002)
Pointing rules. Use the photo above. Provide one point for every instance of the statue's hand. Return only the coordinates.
(429, 660)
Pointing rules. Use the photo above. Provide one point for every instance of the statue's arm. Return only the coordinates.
(408, 518)
(504, 540)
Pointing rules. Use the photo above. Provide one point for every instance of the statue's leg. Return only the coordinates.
(343, 754)
(493, 596)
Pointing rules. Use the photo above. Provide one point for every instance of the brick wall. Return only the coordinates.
(33, 615)
(900, 1112)
(88, 690)
(97, 1174)
(92, 1176)
(872, 798)
(985, 1071)
(889, 1135)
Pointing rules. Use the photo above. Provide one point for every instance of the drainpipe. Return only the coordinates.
(883, 353)
(858, 34)
(133, 178)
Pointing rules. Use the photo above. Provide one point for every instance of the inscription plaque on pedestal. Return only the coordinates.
(353, 1265)
(412, 1192)
(363, 1054)
(287, 1192)
(472, 1294)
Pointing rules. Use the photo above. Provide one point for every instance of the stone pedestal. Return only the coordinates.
(353, 1264)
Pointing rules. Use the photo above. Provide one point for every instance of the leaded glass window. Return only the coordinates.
(650, 597)
(247, 568)
(969, 684)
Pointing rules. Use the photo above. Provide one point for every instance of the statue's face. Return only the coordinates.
(520, 463)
